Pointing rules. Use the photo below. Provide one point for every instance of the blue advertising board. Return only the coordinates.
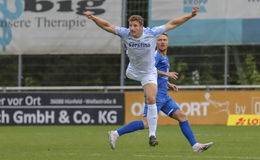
(219, 22)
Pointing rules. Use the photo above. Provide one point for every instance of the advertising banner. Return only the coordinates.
(219, 22)
(57, 27)
(61, 109)
(202, 108)
(244, 120)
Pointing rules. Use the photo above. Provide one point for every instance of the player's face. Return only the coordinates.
(136, 29)
(162, 43)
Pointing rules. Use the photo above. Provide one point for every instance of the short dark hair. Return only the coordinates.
(137, 18)
(164, 33)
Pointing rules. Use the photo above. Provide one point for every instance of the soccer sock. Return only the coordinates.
(152, 117)
(186, 130)
(131, 127)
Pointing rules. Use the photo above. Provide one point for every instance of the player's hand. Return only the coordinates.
(173, 75)
(89, 14)
(195, 10)
(173, 87)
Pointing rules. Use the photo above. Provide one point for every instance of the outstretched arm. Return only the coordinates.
(175, 22)
(102, 23)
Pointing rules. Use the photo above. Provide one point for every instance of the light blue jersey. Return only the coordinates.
(141, 50)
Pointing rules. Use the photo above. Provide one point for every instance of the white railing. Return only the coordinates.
(122, 88)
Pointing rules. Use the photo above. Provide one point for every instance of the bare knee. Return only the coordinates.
(151, 100)
(150, 90)
(180, 116)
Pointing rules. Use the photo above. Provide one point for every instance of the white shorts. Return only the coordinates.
(143, 78)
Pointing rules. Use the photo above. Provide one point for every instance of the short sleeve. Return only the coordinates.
(122, 32)
(157, 58)
(157, 31)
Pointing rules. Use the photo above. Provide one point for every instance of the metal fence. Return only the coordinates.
(201, 65)
(124, 88)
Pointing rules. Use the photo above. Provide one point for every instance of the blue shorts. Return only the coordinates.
(165, 104)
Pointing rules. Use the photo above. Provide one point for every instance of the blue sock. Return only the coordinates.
(131, 127)
(186, 130)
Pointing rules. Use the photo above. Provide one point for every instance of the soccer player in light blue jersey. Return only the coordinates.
(164, 102)
(140, 43)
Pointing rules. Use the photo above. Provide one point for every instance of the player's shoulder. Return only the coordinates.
(122, 31)
(158, 55)
(147, 30)
(155, 30)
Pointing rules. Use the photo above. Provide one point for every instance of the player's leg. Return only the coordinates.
(130, 127)
(184, 126)
(159, 104)
(188, 133)
(173, 110)
(149, 83)
(150, 90)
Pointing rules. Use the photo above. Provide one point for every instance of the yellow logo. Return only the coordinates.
(243, 120)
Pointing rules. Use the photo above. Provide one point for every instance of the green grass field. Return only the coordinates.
(91, 143)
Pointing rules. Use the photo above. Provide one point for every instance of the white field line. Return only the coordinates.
(192, 157)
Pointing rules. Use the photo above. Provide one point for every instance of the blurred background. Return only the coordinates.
(58, 70)
(208, 61)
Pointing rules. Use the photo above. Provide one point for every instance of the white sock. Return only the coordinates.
(116, 133)
(152, 117)
(195, 145)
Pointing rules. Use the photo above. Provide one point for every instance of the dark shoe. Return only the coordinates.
(153, 141)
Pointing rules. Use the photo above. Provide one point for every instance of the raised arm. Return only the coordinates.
(175, 22)
(102, 23)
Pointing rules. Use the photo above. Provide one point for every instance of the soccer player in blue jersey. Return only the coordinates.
(140, 43)
(164, 102)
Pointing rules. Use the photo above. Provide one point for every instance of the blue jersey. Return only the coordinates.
(141, 50)
(162, 64)
(164, 102)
